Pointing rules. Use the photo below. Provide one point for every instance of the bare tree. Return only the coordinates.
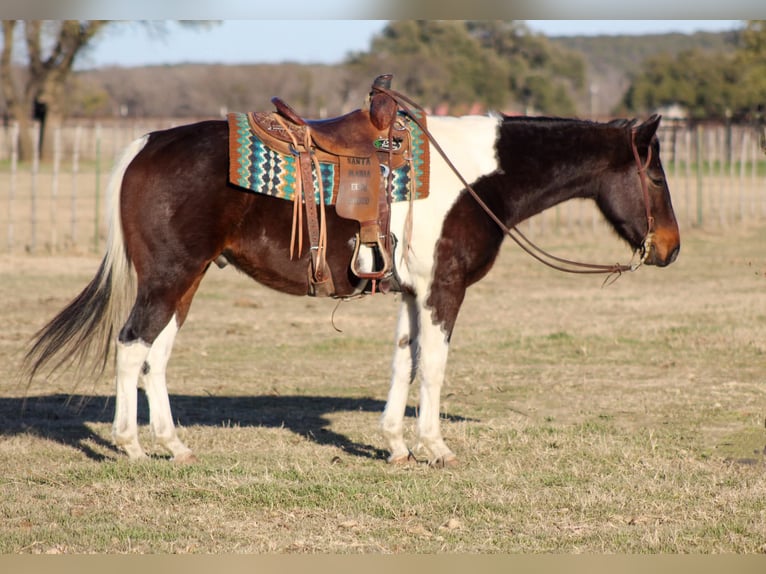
(49, 63)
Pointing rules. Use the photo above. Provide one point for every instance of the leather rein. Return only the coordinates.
(613, 271)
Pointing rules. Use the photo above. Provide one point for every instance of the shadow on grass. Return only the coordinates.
(64, 418)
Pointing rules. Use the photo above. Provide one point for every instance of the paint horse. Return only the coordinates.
(174, 213)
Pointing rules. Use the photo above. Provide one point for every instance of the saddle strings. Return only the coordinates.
(322, 246)
(297, 199)
(613, 271)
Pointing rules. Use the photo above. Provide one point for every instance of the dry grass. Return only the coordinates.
(624, 419)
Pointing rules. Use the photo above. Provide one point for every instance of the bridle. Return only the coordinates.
(613, 271)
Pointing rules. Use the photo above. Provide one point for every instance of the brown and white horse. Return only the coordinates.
(173, 213)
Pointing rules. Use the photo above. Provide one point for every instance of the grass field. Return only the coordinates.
(623, 419)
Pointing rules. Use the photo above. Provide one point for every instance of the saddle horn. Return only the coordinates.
(382, 106)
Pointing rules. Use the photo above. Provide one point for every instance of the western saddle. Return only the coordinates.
(361, 145)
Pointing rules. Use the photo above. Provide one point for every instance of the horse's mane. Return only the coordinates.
(535, 138)
(623, 123)
(556, 121)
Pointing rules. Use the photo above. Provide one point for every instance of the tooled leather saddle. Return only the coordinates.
(364, 149)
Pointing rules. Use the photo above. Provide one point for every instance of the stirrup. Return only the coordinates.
(379, 274)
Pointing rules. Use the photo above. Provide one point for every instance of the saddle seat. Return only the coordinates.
(352, 134)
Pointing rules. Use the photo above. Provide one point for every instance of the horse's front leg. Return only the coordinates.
(403, 371)
(434, 348)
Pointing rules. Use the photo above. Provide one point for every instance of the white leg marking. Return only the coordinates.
(130, 358)
(404, 366)
(160, 415)
(433, 362)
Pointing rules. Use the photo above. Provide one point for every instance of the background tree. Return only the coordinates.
(51, 49)
(460, 63)
(754, 40)
(435, 63)
(705, 84)
(542, 76)
(751, 59)
(710, 84)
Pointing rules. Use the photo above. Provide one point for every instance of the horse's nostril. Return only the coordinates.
(669, 259)
(673, 255)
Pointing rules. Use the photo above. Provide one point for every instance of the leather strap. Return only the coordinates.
(304, 160)
(319, 274)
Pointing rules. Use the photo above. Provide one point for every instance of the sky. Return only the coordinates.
(274, 41)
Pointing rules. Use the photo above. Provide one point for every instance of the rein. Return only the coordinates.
(613, 271)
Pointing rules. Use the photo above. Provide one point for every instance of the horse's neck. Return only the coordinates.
(514, 199)
(536, 181)
(542, 197)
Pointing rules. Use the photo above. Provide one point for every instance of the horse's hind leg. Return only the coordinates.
(143, 350)
(153, 371)
(130, 358)
(153, 376)
(139, 361)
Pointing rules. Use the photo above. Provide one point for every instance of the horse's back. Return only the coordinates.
(469, 142)
(175, 197)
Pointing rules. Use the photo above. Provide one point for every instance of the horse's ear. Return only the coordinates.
(645, 132)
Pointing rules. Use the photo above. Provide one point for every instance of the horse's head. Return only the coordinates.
(635, 198)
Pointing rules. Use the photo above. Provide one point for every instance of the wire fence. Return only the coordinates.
(59, 206)
(716, 173)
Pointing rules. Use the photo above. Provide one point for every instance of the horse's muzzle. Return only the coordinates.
(663, 249)
(663, 262)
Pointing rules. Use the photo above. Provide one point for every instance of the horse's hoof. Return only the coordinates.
(446, 461)
(133, 450)
(409, 458)
(186, 458)
(143, 457)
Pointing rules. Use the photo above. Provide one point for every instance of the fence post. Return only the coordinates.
(755, 196)
(55, 187)
(75, 170)
(12, 186)
(743, 153)
(720, 149)
(97, 214)
(699, 175)
(688, 174)
(33, 195)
